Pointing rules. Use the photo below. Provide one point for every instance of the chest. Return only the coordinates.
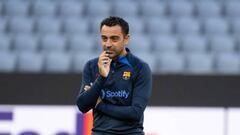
(120, 78)
(118, 87)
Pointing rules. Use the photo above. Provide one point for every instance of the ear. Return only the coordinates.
(126, 39)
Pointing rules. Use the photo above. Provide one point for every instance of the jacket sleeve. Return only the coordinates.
(86, 100)
(141, 94)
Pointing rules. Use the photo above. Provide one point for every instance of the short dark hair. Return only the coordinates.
(113, 21)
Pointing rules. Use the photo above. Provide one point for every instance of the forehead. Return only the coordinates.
(111, 30)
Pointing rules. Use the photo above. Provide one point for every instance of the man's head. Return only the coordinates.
(114, 36)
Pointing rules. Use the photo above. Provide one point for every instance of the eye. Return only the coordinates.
(115, 38)
(104, 39)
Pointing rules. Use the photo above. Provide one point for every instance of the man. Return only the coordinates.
(116, 85)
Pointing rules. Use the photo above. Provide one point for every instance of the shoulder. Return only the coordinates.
(91, 64)
(138, 64)
(92, 61)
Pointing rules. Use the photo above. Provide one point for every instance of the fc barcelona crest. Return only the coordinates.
(126, 75)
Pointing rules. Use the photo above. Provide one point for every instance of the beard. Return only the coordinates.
(113, 54)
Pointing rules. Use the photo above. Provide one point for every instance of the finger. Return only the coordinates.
(105, 61)
(110, 60)
(103, 54)
(87, 87)
(91, 84)
(107, 54)
(103, 58)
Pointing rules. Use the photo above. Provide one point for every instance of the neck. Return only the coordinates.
(122, 53)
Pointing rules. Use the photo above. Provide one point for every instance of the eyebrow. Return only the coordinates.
(110, 36)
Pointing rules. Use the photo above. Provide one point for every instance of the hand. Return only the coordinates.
(104, 64)
(98, 101)
(87, 87)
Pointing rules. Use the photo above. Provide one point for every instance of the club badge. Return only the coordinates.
(126, 75)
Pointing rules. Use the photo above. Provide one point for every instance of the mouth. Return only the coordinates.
(109, 52)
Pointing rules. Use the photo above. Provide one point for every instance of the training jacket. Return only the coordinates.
(124, 93)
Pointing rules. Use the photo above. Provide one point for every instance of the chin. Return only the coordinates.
(112, 56)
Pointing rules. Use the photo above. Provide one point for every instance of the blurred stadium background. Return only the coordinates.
(192, 47)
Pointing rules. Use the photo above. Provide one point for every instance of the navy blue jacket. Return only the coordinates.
(124, 93)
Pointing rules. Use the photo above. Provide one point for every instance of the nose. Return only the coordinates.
(108, 44)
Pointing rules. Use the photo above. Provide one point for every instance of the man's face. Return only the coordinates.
(113, 41)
